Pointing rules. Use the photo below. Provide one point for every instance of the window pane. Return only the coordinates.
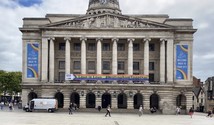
(106, 65)
(61, 64)
(77, 46)
(121, 47)
(136, 66)
(91, 65)
(61, 76)
(151, 47)
(151, 77)
(120, 65)
(106, 46)
(151, 66)
(91, 47)
(77, 65)
(61, 46)
(136, 47)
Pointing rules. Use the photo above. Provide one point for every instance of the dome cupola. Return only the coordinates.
(102, 6)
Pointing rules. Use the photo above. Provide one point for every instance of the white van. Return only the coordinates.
(49, 105)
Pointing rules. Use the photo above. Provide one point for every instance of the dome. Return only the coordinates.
(102, 6)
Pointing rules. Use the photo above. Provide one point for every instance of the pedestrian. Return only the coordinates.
(99, 108)
(10, 106)
(140, 111)
(2, 105)
(108, 111)
(209, 113)
(70, 109)
(178, 110)
(191, 112)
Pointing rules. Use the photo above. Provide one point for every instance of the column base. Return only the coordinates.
(83, 82)
(114, 82)
(99, 82)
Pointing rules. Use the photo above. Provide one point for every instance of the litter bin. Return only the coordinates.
(20, 105)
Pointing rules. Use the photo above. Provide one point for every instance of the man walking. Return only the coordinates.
(108, 111)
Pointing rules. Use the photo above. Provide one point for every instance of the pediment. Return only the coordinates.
(107, 21)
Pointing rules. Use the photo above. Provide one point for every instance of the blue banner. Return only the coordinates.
(182, 62)
(32, 60)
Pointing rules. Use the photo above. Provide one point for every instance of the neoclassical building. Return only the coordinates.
(104, 43)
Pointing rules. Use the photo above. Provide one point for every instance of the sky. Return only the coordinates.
(202, 12)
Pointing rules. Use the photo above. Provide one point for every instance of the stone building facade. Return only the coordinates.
(104, 41)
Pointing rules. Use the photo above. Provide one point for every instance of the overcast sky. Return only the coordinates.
(201, 11)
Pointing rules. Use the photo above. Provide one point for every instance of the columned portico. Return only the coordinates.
(99, 55)
(83, 55)
(114, 56)
(170, 53)
(146, 56)
(51, 60)
(67, 55)
(130, 56)
(162, 60)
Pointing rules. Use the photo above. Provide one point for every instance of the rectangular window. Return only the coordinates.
(151, 66)
(91, 47)
(106, 46)
(121, 47)
(61, 76)
(121, 65)
(136, 66)
(77, 65)
(151, 47)
(61, 64)
(136, 47)
(91, 65)
(106, 65)
(61, 46)
(77, 46)
(151, 77)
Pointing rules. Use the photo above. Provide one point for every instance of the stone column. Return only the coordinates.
(67, 56)
(83, 55)
(130, 103)
(114, 103)
(146, 56)
(130, 56)
(82, 99)
(162, 60)
(99, 55)
(44, 60)
(51, 60)
(114, 56)
(170, 53)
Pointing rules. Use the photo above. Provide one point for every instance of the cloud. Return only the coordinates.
(201, 12)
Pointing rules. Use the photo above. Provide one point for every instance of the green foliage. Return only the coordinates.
(10, 82)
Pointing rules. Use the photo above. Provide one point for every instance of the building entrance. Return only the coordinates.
(90, 100)
(106, 100)
(122, 101)
(75, 98)
(138, 100)
(60, 98)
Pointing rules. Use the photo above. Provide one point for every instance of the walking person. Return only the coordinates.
(10, 106)
(191, 112)
(2, 105)
(209, 113)
(140, 111)
(178, 110)
(70, 109)
(108, 111)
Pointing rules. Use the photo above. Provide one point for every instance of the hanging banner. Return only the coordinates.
(106, 77)
(182, 62)
(32, 60)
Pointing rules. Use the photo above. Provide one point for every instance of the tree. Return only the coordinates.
(10, 82)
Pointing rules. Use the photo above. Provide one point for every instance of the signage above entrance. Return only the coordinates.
(106, 77)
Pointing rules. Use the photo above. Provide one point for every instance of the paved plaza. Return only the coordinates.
(19, 117)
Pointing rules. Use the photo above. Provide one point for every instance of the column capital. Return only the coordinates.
(83, 39)
(99, 39)
(115, 39)
(51, 38)
(67, 38)
(147, 39)
(130, 39)
(163, 39)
